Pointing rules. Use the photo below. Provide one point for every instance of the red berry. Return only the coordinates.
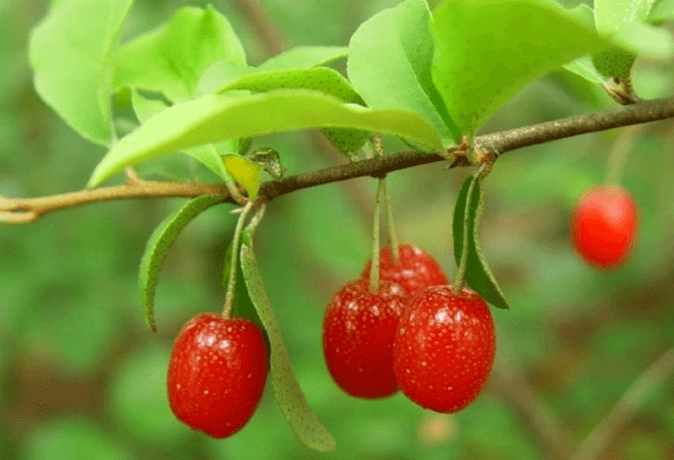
(444, 348)
(217, 373)
(358, 332)
(415, 271)
(604, 226)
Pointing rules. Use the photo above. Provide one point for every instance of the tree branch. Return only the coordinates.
(25, 210)
(601, 437)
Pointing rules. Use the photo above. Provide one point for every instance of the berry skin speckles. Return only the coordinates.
(217, 373)
(444, 348)
(358, 332)
(415, 271)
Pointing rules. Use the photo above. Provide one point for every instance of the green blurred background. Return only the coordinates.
(81, 377)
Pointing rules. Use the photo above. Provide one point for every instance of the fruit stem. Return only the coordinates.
(393, 236)
(374, 269)
(231, 282)
(618, 156)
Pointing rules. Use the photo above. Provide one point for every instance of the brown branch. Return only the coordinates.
(24, 210)
(267, 31)
(601, 437)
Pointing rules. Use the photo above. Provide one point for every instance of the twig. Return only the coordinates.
(642, 112)
(265, 28)
(629, 404)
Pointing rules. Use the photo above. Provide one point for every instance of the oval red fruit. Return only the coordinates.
(604, 226)
(358, 332)
(217, 373)
(415, 271)
(444, 348)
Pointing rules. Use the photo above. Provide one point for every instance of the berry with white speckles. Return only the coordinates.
(444, 348)
(604, 226)
(416, 270)
(358, 333)
(217, 373)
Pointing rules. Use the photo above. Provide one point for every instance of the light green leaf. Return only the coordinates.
(171, 58)
(310, 431)
(663, 10)
(389, 64)
(245, 172)
(466, 227)
(305, 56)
(206, 154)
(215, 117)
(475, 77)
(318, 78)
(72, 54)
(158, 245)
(584, 67)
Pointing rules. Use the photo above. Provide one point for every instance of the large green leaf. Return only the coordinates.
(310, 431)
(663, 10)
(481, 63)
(466, 227)
(389, 64)
(214, 117)
(611, 17)
(305, 56)
(72, 54)
(158, 245)
(206, 154)
(171, 58)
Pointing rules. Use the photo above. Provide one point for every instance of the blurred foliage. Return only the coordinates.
(82, 377)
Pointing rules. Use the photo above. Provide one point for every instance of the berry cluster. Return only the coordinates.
(413, 334)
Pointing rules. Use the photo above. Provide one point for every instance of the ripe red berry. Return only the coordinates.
(358, 332)
(217, 373)
(415, 271)
(604, 226)
(444, 348)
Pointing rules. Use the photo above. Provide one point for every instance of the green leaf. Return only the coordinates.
(663, 10)
(171, 58)
(215, 117)
(289, 395)
(389, 64)
(245, 172)
(318, 78)
(207, 154)
(158, 245)
(305, 56)
(72, 54)
(584, 67)
(475, 77)
(478, 275)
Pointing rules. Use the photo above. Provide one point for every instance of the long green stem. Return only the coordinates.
(231, 282)
(374, 269)
(393, 235)
(619, 152)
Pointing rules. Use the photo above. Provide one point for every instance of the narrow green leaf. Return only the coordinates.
(389, 64)
(478, 275)
(475, 77)
(215, 117)
(171, 58)
(72, 54)
(584, 67)
(305, 56)
(220, 74)
(158, 245)
(310, 431)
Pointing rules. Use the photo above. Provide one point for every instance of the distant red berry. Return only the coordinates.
(415, 271)
(444, 348)
(604, 226)
(358, 332)
(217, 373)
